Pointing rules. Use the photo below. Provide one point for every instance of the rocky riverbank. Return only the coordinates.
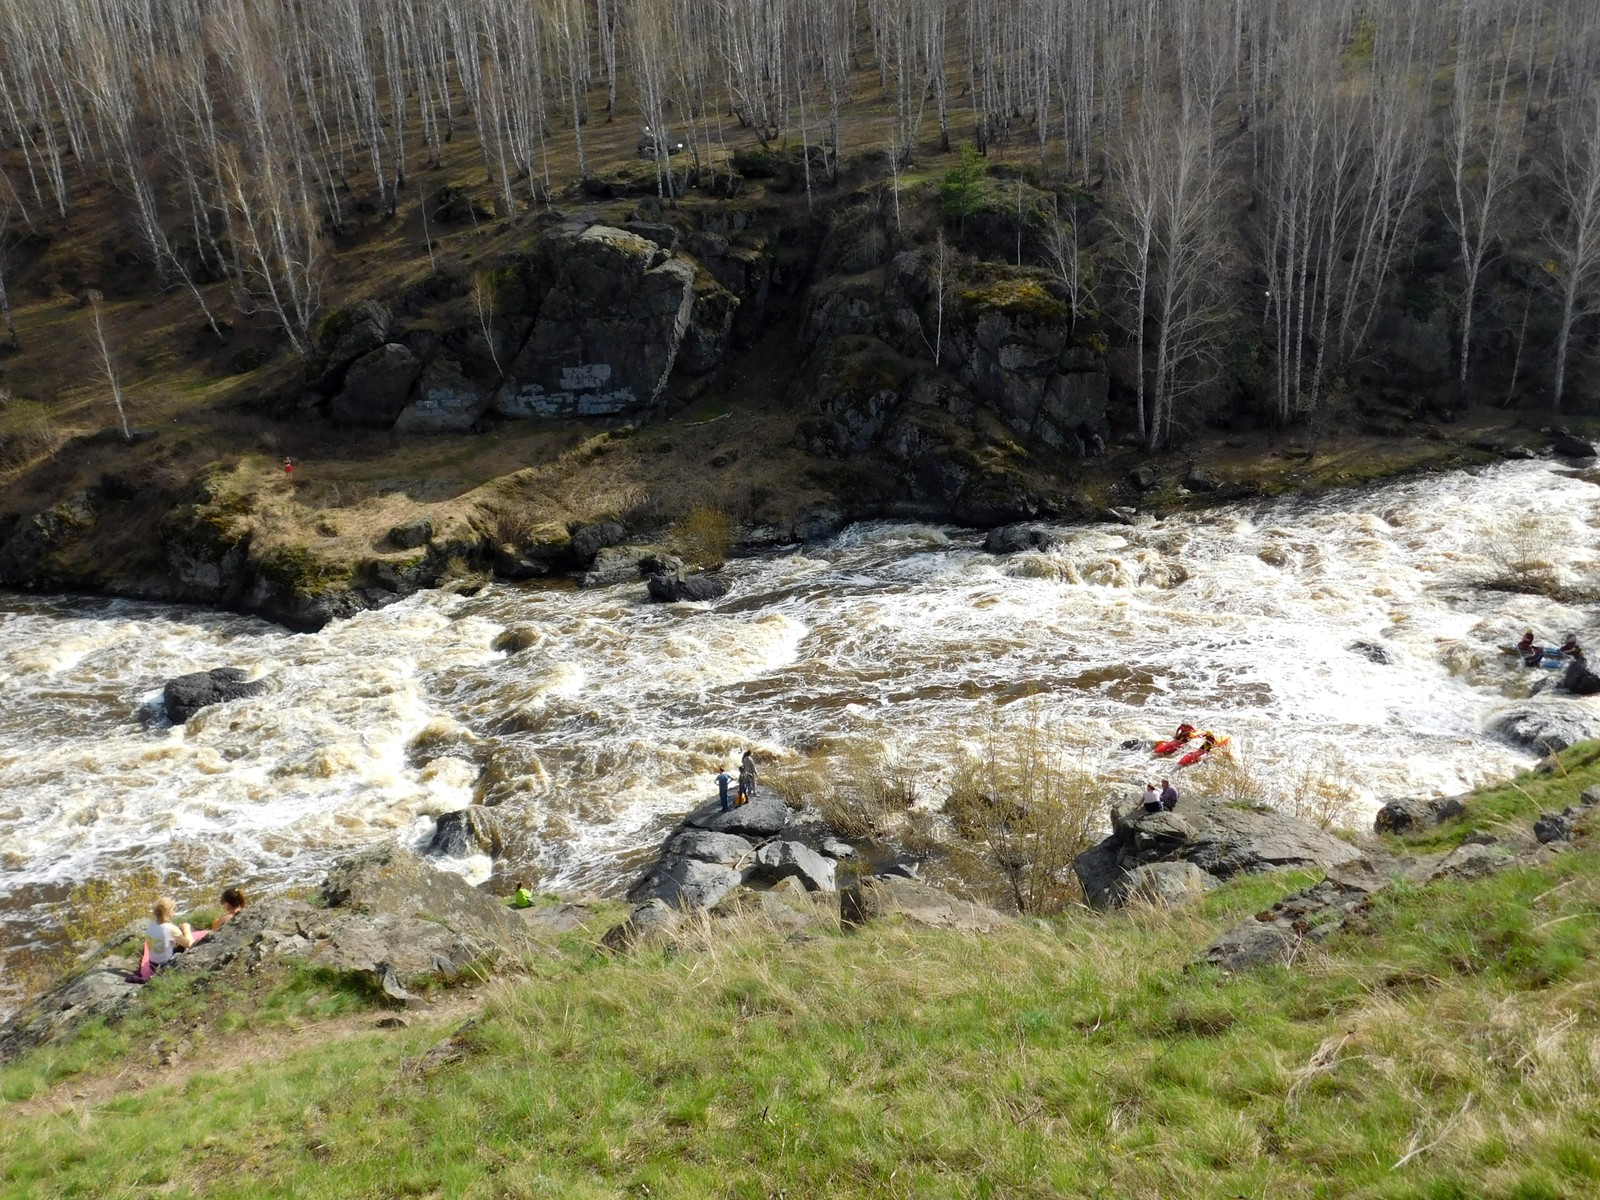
(640, 364)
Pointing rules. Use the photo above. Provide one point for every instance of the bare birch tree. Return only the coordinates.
(1573, 235)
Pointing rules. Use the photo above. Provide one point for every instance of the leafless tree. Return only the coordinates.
(1482, 150)
(1573, 235)
(108, 367)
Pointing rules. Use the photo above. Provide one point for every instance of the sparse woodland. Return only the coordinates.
(1255, 179)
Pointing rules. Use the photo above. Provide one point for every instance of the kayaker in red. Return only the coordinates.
(1178, 741)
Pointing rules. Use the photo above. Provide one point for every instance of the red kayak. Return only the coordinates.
(1171, 746)
(1194, 756)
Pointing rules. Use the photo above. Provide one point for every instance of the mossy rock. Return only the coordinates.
(298, 570)
(1021, 297)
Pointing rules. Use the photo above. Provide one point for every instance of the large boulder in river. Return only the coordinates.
(471, 830)
(1569, 446)
(1219, 838)
(628, 564)
(188, 694)
(1580, 680)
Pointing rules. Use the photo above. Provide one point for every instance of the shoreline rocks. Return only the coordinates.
(1217, 838)
(386, 917)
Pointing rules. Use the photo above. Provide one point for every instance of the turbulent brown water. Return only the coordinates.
(615, 715)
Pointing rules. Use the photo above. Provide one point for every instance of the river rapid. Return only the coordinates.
(611, 719)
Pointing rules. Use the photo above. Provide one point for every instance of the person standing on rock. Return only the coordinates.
(723, 780)
(747, 776)
(1169, 796)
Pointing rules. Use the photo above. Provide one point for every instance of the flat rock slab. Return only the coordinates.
(726, 848)
(556, 918)
(1219, 838)
(765, 816)
(793, 860)
(683, 883)
(879, 897)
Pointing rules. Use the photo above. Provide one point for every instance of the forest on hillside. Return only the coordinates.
(1249, 183)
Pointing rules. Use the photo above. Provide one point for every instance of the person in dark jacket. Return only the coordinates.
(747, 777)
(1169, 796)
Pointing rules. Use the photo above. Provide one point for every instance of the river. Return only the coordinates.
(616, 713)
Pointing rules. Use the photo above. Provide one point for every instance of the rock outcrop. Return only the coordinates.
(376, 387)
(386, 917)
(1415, 813)
(446, 401)
(188, 694)
(1218, 838)
(609, 329)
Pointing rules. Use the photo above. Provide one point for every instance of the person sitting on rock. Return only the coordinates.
(521, 897)
(167, 939)
(747, 777)
(1169, 796)
(723, 780)
(1152, 799)
(232, 906)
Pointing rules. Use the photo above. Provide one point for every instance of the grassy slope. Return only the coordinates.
(1449, 1047)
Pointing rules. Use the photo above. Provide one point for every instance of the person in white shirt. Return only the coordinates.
(1152, 798)
(166, 939)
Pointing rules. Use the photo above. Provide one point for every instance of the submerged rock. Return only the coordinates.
(188, 694)
(1374, 652)
(668, 589)
(1013, 539)
(473, 830)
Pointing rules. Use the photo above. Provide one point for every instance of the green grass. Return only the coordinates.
(1076, 1057)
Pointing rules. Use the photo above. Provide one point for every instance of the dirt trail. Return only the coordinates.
(176, 1063)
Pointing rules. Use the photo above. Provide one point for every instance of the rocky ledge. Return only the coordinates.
(383, 916)
(1171, 855)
